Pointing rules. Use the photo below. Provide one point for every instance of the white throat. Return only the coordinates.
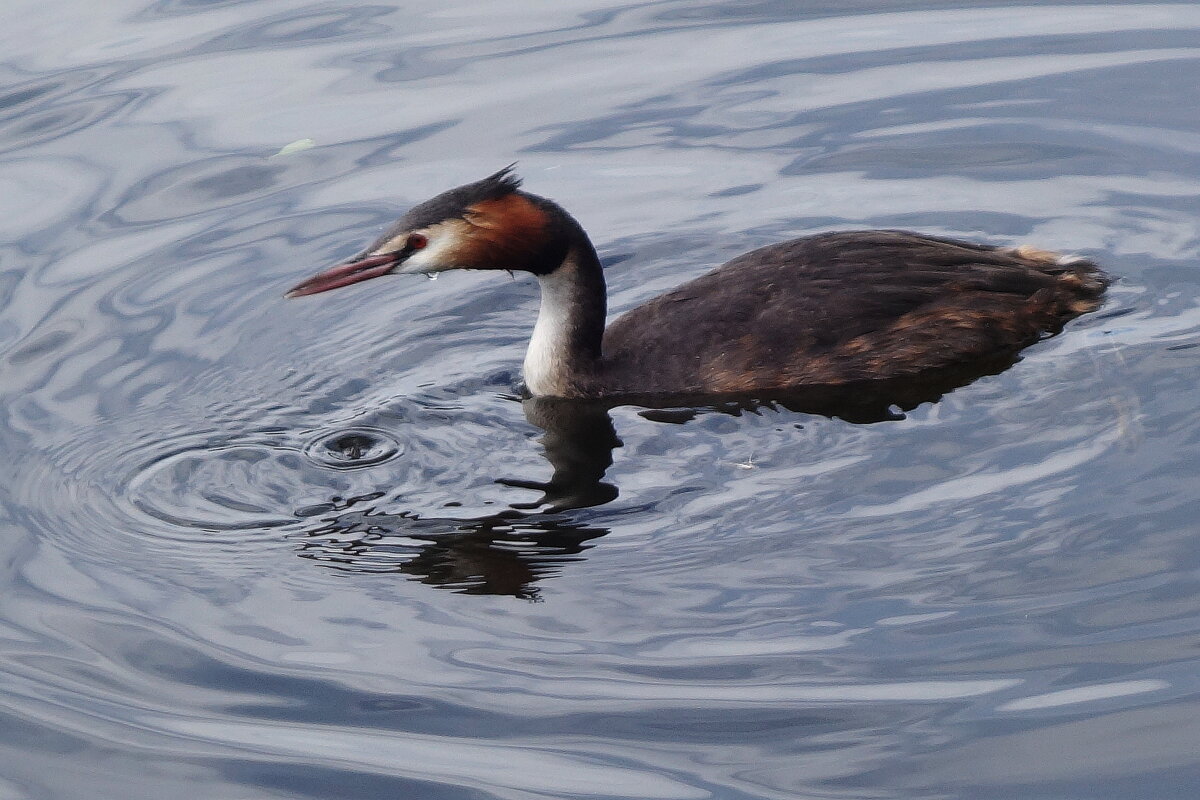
(546, 369)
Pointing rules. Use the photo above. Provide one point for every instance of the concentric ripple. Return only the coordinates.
(353, 448)
(257, 481)
(231, 487)
(147, 484)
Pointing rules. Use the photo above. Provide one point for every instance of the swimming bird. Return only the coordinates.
(827, 309)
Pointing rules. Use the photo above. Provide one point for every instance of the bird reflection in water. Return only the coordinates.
(509, 552)
(505, 553)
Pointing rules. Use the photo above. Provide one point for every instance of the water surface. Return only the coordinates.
(319, 548)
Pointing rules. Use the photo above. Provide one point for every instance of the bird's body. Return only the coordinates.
(829, 309)
(846, 307)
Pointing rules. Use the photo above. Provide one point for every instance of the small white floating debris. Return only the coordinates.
(295, 147)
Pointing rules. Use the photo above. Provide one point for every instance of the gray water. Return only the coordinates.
(256, 548)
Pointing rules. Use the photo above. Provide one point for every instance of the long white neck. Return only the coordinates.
(564, 350)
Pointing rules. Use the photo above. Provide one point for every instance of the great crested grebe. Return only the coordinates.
(828, 309)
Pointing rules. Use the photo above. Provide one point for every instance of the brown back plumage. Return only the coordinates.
(842, 307)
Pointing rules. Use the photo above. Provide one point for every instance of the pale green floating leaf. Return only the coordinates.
(295, 147)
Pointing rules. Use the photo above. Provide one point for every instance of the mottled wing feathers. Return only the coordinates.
(842, 307)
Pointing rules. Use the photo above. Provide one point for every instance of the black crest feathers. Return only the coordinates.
(502, 182)
(455, 202)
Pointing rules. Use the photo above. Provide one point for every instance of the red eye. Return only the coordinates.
(416, 241)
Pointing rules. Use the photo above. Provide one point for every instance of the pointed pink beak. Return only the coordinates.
(345, 274)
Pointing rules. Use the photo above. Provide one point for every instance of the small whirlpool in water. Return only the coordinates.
(353, 448)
